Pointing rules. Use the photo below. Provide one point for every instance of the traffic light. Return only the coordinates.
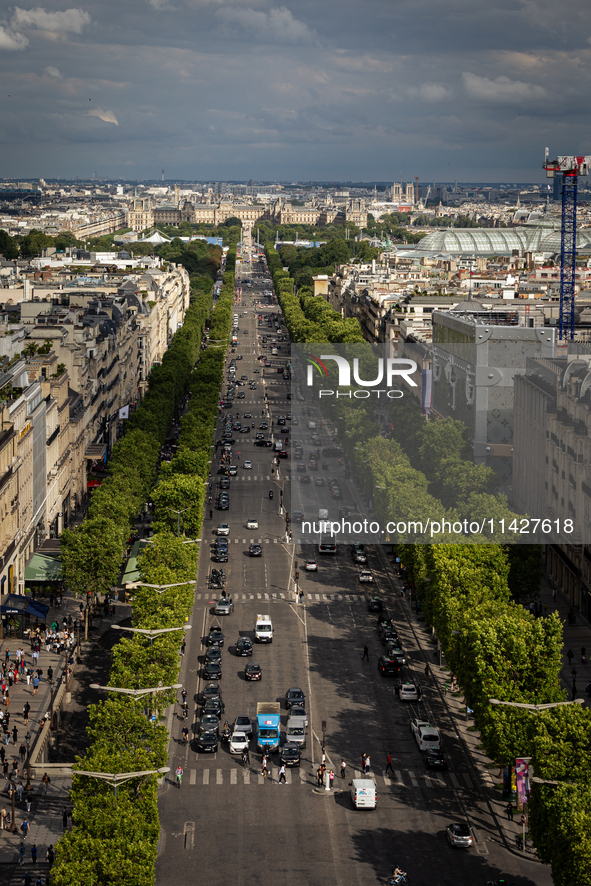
(297, 575)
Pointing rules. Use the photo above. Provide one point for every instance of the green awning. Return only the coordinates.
(41, 567)
(131, 570)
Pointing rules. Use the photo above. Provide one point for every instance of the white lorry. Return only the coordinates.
(363, 793)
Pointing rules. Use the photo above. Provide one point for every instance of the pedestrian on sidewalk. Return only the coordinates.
(50, 855)
(50, 673)
(363, 756)
(282, 774)
(319, 777)
(46, 782)
(65, 818)
(554, 593)
(19, 792)
(25, 828)
(331, 779)
(365, 655)
(343, 768)
(367, 765)
(28, 881)
(28, 802)
(26, 709)
(2, 754)
(569, 655)
(21, 853)
(389, 765)
(14, 734)
(583, 655)
(509, 811)
(35, 684)
(3, 818)
(5, 769)
(34, 853)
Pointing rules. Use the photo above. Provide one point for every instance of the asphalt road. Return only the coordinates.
(227, 823)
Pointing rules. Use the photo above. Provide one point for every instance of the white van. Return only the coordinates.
(295, 731)
(263, 629)
(363, 793)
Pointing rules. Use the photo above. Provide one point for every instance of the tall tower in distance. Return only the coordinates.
(162, 175)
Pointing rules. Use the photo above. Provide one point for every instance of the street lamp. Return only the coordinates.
(117, 778)
(137, 693)
(160, 589)
(151, 632)
(536, 707)
(178, 513)
(50, 681)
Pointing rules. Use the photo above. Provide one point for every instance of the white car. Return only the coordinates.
(252, 524)
(408, 692)
(311, 566)
(365, 575)
(426, 736)
(238, 742)
(247, 465)
(223, 529)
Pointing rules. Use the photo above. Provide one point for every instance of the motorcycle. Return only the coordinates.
(270, 493)
(226, 733)
(398, 878)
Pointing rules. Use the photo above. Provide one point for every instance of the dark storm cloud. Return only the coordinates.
(465, 89)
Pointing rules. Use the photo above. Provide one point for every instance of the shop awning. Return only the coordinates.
(14, 604)
(42, 567)
(132, 573)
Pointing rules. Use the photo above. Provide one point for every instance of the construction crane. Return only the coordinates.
(416, 188)
(570, 168)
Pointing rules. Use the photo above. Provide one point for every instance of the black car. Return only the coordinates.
(213, 653)
(215, 636)
(207, 742)
(253, 671)
(212, 670)
(212, 690)
(220, 555)
(266, 443)
(209, 723)
(214, 706)
(374, 605)
(435, 759)
(223, 503)
(387, 666)
(305, 478)
(294, 696)
(224, 483)
(289, 754)
(243, 646)
(255, 550)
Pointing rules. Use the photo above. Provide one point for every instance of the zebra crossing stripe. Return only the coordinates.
(193, 776)
(468, 780)
(206, 776)
(413, 779)
(233, 776)
(219, 776)
(454, 780)
(246, 774)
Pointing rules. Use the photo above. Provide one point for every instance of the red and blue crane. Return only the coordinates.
(570, 168)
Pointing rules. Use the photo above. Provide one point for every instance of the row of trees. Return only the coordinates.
(114, 840)
(308, 319)
(303, 263)
(497, 649)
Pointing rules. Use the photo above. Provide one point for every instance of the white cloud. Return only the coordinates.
(12, 41)
(502, 89)
(73, 20)
(106, 116)
(429, 92)
(278, 24)
(53, 72)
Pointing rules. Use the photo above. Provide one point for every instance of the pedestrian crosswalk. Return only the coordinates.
(289, 596)
(207, 777)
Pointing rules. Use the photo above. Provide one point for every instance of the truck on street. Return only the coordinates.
(268, 726)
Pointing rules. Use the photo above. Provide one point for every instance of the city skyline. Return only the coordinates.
(242, 89)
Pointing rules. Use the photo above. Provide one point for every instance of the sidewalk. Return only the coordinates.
(575, 637)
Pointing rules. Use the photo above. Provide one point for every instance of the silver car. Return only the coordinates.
(459, 835)
(243, 723)
(224, 606)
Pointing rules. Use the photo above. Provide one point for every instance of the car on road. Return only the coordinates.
(232, 470)
(305, 478)
(255, 550)
(247, 415)
(358, 554)
(294, 696)
(366, 575)
(394, 650)
(289, 754)
(207, 742)
(311, 566)
(297, 516)
(223, 503)
(408, 692)
(223, 529)
(388, 667)
(426, 736)
(435, 759)
(214, 706)
(211, 690)
(243, 646)
(215, 636)
(224, 606)
(301, 469)
(374, 605)
(263, 426)
(220, 554)
(319, 481)
(212, 670)
(245, 430)
(253, 671)
(213, 653)
(247, 465)
(297, 710)
(459, 835)
(225, 483)
(209, 723)
(238, 743)
(252, 524)
(243, 723)
(241, 396)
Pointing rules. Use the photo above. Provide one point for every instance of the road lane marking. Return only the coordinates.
(193, 777)
(246, 774)
(233, 776)
(206, 776)
(468, 780)
(413, 779)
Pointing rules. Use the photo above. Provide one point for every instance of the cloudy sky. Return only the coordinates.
(471, 90)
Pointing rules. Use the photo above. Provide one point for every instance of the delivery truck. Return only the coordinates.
(268, 726)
